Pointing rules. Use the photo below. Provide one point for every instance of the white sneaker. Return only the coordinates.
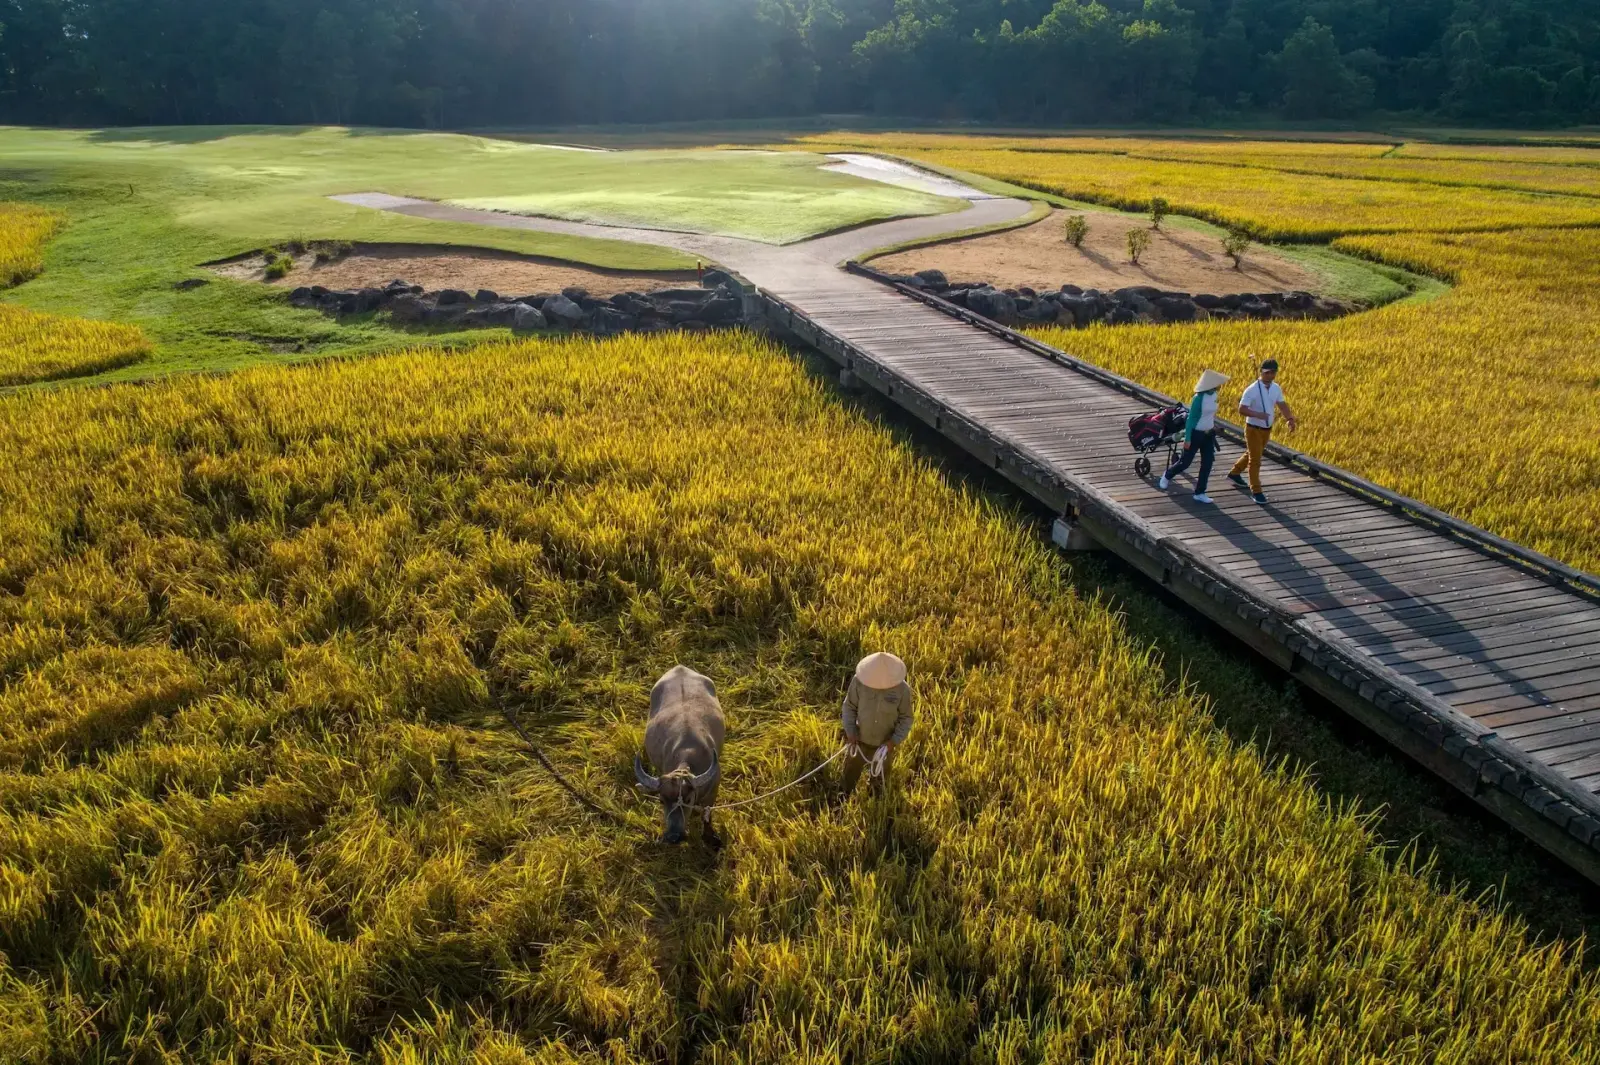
(1201, 497)
(1162, 484)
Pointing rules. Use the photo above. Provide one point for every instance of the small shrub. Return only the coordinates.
(1076, 227)
(1158, 210)
(1138, 244)
(1234, 243)
(279, 267)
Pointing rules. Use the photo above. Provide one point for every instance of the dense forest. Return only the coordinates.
(478, 63)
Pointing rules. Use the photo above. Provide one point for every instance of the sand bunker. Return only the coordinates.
(434, 268)
(1038, 256)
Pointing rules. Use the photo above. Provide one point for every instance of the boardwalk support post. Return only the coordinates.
(1069, 536)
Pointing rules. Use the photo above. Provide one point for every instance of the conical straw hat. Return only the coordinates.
(882, 670)
(1209, 380)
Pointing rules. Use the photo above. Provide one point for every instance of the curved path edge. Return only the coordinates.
(761, 264)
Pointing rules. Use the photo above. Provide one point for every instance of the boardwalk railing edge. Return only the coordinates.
(1524, 558)
(1542, 804)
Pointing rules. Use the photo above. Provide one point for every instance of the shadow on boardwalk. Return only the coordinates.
(1259, 706)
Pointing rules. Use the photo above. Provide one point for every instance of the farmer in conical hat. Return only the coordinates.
(877, 716)
(1199, 434)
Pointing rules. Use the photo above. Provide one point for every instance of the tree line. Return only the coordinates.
(481, 63)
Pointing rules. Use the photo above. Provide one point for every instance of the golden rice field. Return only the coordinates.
(1278, 191)
(256, 804)
(45, 347)
(24, 229)
(1484, 402)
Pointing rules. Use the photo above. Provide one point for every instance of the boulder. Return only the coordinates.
(934, 278)
(1254, 308)
(718, 279)
(408, 307)
(575, 294)
(535, 301)
(723, 311)
(303, 294)
(562, 311)
(486, 295)
(609, 320)
(448, 314)
(1144, 292)
(1071, 290)
(1076, 310)
(681, 311)
(957, 296)
(999, 306)
(1297, 301)
(397, 285)
(1121, 315)
(1026, 291)
(1209, 302)
(452, 296)
(525, 319)
(1173, 309)
(1132, 300)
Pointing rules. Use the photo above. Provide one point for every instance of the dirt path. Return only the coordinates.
(1038, 256)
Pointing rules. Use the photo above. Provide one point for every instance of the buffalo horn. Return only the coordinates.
(705, 780)
(646, 781)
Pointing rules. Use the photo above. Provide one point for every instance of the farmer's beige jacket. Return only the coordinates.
(873, 715)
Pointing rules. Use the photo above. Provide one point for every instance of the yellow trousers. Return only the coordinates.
(1255, 442)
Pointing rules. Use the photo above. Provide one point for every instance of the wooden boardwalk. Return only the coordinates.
(1482, 667)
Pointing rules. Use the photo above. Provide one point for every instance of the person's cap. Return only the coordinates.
(1270, 364)
(1210, 380)
(881, 670)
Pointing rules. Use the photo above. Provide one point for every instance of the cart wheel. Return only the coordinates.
(1141, 466)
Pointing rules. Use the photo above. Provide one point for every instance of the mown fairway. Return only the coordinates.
(256, 802)
(141, 209)
(1484, 401)
(43, 347)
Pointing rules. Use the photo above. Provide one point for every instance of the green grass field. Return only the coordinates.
(145, 207)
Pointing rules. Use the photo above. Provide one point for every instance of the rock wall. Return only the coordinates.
(1074, 307)
(720, 303)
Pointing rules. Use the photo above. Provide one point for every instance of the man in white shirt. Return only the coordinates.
(1260, 405)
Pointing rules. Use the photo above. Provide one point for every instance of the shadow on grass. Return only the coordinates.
(1257, 705)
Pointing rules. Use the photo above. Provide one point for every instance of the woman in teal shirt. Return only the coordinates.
(1200, 434)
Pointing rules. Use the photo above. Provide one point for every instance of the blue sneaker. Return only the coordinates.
(1260, 497)
(1237, 479)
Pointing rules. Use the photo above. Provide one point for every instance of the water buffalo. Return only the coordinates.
(683, 740)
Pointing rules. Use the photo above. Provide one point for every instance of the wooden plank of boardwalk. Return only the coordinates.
(1516, 653)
